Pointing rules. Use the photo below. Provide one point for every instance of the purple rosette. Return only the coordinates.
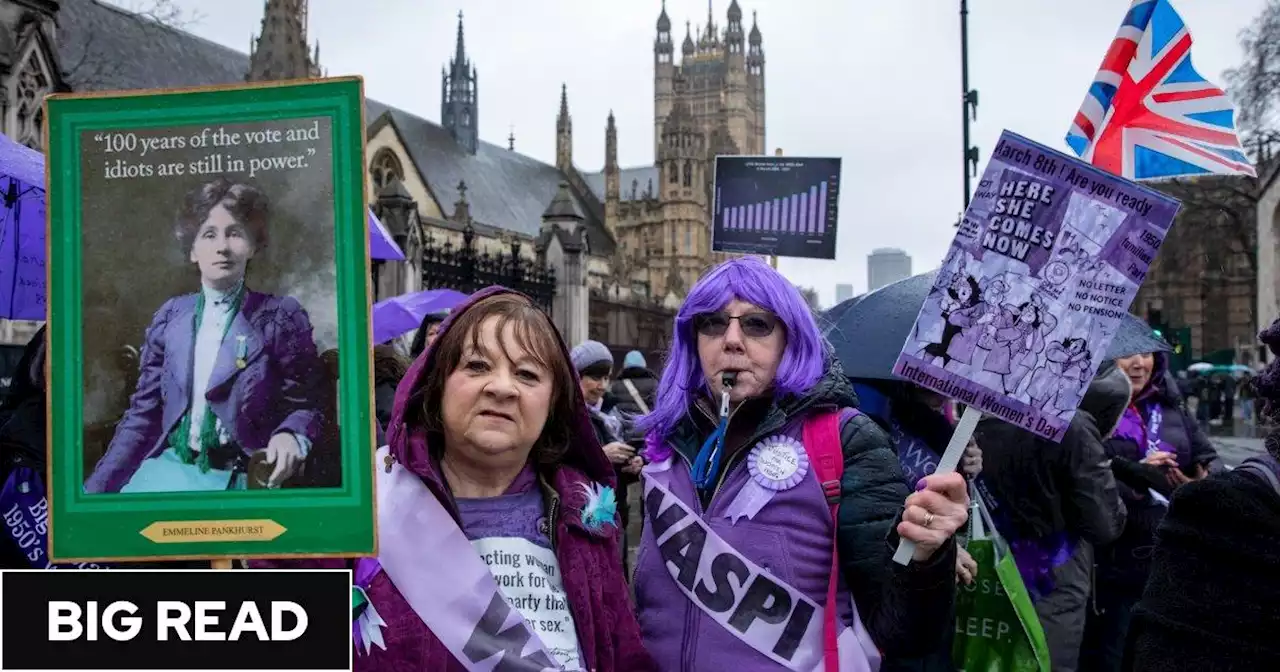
(775, 464)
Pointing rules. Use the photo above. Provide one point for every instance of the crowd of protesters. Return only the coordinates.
(774, 488)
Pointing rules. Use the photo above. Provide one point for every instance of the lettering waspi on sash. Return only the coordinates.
(759, 609)
(457, 599)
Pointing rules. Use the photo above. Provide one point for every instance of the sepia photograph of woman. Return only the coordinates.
(229, 393)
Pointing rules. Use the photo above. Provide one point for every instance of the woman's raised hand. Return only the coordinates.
(933, 513)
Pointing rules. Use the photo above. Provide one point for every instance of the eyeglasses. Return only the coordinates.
(754, 325)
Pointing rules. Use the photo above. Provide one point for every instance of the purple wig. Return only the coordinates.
(747, 279)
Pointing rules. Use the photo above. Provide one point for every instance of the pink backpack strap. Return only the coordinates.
(822, 443)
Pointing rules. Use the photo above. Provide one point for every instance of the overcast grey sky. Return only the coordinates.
(875, 82)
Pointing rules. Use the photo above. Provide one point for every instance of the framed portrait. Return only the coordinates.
(209, 324)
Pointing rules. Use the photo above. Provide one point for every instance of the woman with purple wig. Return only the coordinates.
(1210, 601)
(753, 442)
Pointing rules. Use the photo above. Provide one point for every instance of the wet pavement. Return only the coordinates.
(1237, 442)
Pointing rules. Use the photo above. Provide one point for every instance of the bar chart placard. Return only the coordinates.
(777, 205)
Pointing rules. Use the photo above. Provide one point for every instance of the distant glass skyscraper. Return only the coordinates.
(844, 292)
(887, 265)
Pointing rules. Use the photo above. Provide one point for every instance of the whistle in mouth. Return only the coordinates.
(727, 379)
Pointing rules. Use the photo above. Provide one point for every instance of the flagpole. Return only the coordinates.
(965, 95)
(773, 258)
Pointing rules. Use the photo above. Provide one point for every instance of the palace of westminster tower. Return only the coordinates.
(711, 102)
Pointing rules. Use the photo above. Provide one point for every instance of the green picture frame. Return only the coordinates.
(112, 232)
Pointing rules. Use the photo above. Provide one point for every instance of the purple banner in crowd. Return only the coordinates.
(1046, 261)
(26, 519)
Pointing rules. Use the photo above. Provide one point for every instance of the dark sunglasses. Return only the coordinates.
(754, 325)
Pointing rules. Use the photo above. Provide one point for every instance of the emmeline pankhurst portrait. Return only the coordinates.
(229, 391)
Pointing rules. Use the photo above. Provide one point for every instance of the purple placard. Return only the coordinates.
(1047, 260)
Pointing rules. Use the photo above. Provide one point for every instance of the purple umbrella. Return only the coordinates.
(22, 225)
(381, 245)
(402, 314)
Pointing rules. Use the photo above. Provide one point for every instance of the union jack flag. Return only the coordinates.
(1149, 114)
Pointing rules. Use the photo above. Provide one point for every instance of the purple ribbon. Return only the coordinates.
(365, 570)
(26, 519)
(775, 464)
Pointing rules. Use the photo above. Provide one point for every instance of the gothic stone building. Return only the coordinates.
(633, 239)
(1210, 268)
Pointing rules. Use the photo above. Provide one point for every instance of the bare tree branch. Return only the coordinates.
(1255, 85)
(95, 67)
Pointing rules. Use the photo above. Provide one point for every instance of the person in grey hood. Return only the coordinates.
(1056, 502)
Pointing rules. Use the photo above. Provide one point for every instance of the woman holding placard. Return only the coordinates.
(753, 445)
(496, 511)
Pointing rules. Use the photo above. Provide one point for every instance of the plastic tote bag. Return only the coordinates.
(997, 629)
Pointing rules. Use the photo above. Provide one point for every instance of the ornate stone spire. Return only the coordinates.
(280, 51)
(460, 97)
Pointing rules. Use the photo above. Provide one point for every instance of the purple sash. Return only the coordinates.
(26, 518)
(456, 596)
(794, 643)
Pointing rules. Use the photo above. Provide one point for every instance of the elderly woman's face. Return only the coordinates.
(744, 339)
(1138, 368)
(594, 386)
(496, 402)
(221, 249)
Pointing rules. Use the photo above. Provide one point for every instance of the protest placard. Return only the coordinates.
(207, 245)
(1046, 261)
(776, 205)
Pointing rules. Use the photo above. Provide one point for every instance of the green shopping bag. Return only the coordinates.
(997, 629)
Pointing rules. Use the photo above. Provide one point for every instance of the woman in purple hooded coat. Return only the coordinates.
(496, 513)
(740, 565)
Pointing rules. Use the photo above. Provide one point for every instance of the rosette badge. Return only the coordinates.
(775, 464)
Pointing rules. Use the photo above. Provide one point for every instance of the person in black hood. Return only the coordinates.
(22, 443)
(1210, 601)
(1056, 503)
(426, 333)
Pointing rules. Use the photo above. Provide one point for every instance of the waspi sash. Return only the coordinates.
(759, 609)
(457, 597)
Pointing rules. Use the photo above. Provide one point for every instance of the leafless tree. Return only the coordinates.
(1219, 211)
(92, 66)
(1255, 85)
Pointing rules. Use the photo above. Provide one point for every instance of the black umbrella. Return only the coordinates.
(867, 332)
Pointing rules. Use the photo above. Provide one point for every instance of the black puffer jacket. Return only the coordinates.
(906, 609)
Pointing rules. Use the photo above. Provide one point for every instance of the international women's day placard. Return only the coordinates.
(1049, 256)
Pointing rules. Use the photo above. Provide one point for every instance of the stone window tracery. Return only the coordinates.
(33, 85)
(384, 167)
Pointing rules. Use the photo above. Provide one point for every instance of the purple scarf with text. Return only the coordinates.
(1140, 426)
